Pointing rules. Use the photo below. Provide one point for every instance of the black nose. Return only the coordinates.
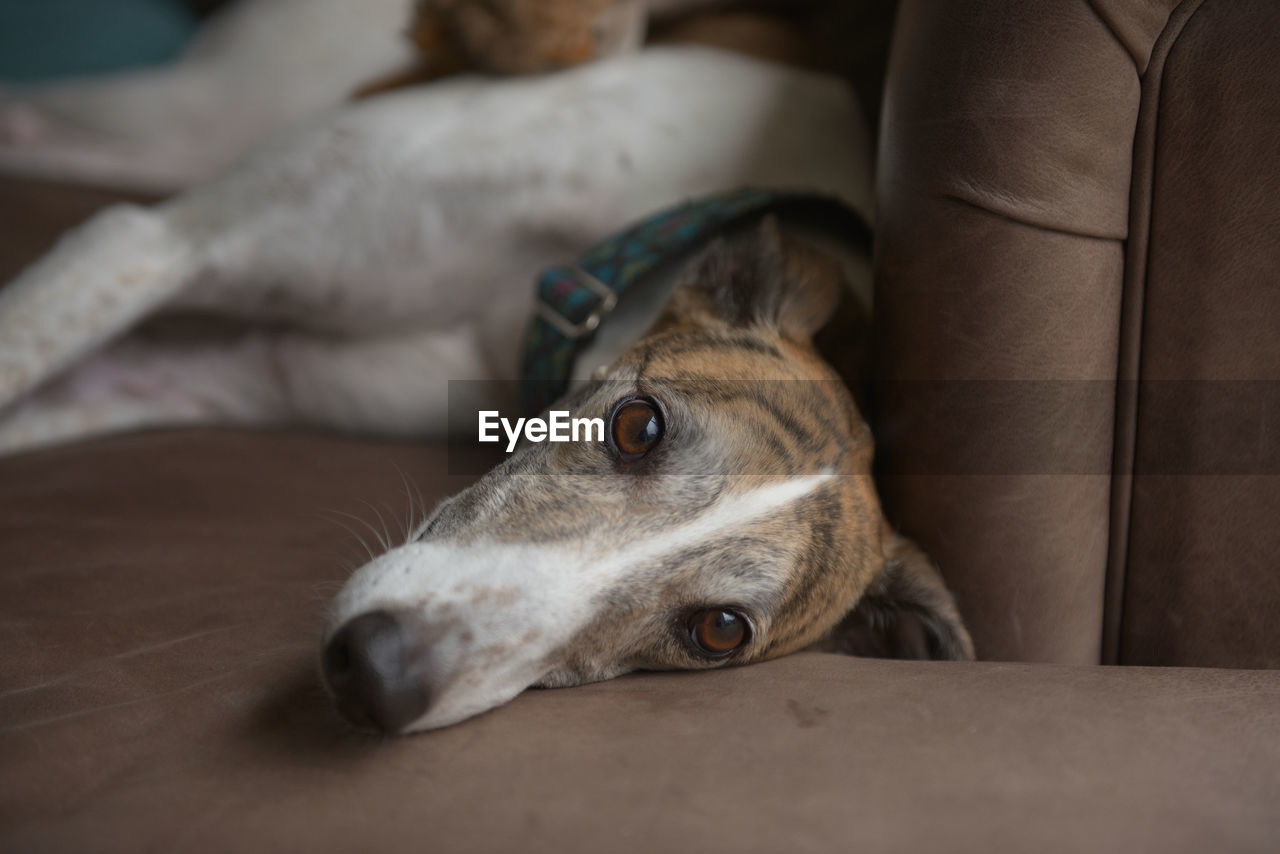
(369, 665)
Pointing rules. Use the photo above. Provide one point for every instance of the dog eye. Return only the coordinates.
(636, 427)
(716, 632)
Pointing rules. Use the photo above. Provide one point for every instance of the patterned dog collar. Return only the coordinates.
(574, 300)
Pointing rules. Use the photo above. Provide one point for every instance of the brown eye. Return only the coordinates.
(636, 428)
(717, 633)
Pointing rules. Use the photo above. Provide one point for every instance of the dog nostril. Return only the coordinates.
(337, 659)
(368, 665)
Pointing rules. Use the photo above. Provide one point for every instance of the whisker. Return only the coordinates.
(327, 587)
(354, 534)
(418, 512)
(396, 519)
(412, 508)
(372, 530)
(384, 539)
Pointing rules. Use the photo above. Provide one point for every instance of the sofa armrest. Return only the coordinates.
(1003, 209)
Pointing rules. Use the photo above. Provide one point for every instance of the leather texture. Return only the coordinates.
(1076, 313)
(1002, 193)
(1202, 570)
(158, 691)
(1137, 24)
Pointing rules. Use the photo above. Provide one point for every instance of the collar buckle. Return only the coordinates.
(578, 331)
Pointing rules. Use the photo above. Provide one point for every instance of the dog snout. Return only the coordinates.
(371, 666)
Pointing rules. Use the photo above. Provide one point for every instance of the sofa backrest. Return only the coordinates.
(1078, 322)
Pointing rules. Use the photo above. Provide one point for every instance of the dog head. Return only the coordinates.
(726, 516)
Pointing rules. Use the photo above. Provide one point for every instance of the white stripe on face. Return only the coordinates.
(502, 609)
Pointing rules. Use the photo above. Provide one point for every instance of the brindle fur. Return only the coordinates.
(749, 316)
(748, 402)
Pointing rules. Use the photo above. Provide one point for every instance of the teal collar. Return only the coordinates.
(574, 300)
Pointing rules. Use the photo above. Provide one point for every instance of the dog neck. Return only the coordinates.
(640, 307)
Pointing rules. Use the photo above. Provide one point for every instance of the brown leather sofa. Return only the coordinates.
(1079, 317)
(1074, 197)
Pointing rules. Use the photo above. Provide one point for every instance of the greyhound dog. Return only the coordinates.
(360, 264)
(729, 516)
(386, 249)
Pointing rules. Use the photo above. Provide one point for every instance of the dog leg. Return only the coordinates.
(97, 282)
(393, 385)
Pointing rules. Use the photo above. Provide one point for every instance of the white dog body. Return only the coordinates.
(255, 68)
(391, 246)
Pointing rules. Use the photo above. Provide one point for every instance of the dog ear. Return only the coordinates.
(906, 612)
(763, 277)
